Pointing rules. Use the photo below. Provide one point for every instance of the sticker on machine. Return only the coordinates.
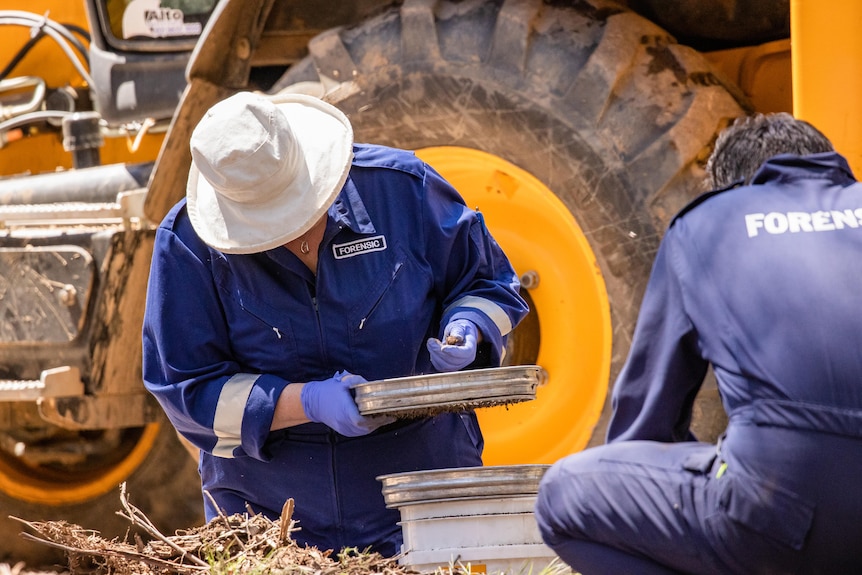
(150, 19)
(359, 247)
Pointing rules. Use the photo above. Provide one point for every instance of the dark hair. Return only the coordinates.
(751, 140)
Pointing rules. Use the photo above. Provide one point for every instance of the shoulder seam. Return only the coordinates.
(702, 198)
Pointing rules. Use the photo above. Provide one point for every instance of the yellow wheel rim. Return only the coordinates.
(542, 239)
(41, 485)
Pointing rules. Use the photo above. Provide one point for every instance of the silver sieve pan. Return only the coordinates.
(400, 489)
(425, 395)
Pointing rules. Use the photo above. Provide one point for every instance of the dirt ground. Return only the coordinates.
(228, 545)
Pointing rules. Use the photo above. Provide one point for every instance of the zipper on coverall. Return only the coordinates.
(382, 294)
(331, 438)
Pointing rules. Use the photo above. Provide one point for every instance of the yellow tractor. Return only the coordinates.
(577, 127)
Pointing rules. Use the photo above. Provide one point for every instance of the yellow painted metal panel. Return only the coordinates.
(826, 48)
(762, 72)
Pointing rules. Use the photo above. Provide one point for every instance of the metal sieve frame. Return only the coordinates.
(409, 488)
(456, 391)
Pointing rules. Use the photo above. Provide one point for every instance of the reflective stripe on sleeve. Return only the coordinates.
(489, 308)
(227, 423)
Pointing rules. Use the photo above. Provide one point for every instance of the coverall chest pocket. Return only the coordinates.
(261, 336)
(394, 310)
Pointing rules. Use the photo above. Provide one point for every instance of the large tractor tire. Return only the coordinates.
(84, 489)
(578, 131)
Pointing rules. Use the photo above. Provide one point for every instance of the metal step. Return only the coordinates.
(21, 389)
(70, 211)
(129, 205)
(58, 382)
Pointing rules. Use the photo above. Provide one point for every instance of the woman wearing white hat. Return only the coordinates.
(299, 264)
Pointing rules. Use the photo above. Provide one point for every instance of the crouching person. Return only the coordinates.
(760, 279)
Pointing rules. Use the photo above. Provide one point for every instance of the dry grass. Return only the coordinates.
(248, 544)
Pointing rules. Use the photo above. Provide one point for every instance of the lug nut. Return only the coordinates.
(530, 280)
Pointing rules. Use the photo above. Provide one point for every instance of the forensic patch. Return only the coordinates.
(795, 222)
(359, 247)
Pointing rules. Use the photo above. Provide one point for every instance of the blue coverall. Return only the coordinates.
(224, 334)
(762, 282)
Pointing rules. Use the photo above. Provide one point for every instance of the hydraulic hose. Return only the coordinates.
(58, 33)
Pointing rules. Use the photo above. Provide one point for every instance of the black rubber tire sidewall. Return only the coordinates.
(623, 152)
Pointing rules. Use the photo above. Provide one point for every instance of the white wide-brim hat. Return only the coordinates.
(265, 169)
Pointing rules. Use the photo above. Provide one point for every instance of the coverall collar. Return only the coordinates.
(788, 167)
(348, 210)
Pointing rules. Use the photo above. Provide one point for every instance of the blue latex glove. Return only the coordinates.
(452, 357)
(331, 402)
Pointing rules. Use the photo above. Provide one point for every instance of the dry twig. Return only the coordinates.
(137, 517)
(228, 545)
